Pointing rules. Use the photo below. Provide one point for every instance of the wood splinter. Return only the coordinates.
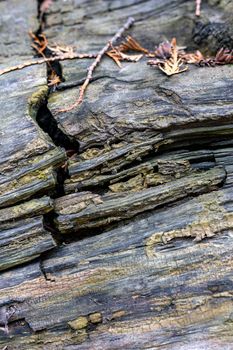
(91, 69)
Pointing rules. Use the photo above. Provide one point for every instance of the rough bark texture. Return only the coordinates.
(131, 247)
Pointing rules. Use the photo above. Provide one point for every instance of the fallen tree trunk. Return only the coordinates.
(98, 204)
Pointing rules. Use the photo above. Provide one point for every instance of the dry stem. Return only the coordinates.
(198, 7)
(66, 56)
(91, 69)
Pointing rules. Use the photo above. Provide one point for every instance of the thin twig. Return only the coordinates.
(91, 69)
(198, 8)
(66, 56)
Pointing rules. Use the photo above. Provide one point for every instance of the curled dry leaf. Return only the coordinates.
(155, 62)
(60, 49)
(164, 50)
(115, 56)
(195, 57)
(207, 62)
(131, 44)
(170, 66)
(40, 43)
(119, 56)
(54, 80)
(224, 56)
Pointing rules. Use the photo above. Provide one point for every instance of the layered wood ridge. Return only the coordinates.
(28, 156)
(126, 244)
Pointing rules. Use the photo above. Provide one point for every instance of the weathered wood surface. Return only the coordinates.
(28, 156)
(85, 210)
(144, 292)
(155, 168)
(23, 236)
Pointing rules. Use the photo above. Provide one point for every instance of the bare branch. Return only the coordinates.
(66, 56)
(91, 69)
(198, 8)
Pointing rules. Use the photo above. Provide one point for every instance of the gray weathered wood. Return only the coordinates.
(147, 201)
(143, 291)
(85, 210)
(23, 237)
(28, 156)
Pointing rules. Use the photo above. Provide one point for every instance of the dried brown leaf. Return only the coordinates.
(195, 57)
(174, 64)
(131, 58)
(155, 62)
(164, 50)
(131, 44)
(40, 43)
(115, 56)
(119, 56)
(224, 56)
(54, 79)
(61, 49)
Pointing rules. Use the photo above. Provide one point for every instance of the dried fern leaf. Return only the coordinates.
(174, 64)
(119, 56)
(131, 44)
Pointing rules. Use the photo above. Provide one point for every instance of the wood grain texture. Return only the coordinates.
(144, 225)
(144, 293)
(28, 156)
(15, 24)
(77, 211)
(23, 236)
